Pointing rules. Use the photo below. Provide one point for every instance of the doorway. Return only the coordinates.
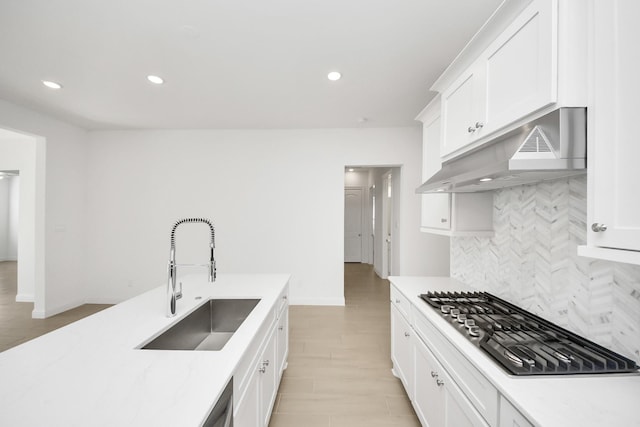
(21, 162)
(369, 194)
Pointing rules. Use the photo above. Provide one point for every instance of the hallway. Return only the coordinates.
(16, 324)
(339, 370)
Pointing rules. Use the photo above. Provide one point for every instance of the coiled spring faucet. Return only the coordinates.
(174, 294)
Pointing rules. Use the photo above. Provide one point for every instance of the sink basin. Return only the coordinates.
(208, 328)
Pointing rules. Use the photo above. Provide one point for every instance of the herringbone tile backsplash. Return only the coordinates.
(532, 261)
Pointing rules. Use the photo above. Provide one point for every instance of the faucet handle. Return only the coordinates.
(179, 293)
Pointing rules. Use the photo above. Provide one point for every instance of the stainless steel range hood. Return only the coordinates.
(552, 146)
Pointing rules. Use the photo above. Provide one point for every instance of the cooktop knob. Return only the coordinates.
(445, 309)
(454, 312)
(469, 323)
(462, 317)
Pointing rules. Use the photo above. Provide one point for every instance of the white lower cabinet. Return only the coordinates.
(268, 372)
(282, 341)
(259, 384)
(437, 399)
(445, 388)
(254, 407)
(401, 349)
(246, 414)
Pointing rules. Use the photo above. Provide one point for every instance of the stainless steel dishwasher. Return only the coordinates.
(222, 413)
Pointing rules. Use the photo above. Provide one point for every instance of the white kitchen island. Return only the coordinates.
(91, 372)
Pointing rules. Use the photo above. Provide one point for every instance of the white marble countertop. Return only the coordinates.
(549, 401)
(90, 373)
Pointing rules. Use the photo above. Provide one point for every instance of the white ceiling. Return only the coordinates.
(231, 63)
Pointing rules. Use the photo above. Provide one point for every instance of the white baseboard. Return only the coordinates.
(39, 314)
(316, 301)
(24, 298)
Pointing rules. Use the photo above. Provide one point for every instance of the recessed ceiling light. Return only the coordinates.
(487, 179)
(334, 75)
(51, 85)
(440, 190)
(155, 79)
(350, 169)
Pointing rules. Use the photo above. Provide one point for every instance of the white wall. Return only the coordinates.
(58, 223)
(275, 196)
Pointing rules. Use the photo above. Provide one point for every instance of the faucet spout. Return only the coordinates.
(172, 293)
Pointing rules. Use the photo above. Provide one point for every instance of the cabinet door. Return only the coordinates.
(282, 341)
(429, 398)
(401, 353)
(614, 145)
(436, 211)
(463, 111)
(521, 66)
(437, 400)
(247, 411)
(431, 130)
(268, 379)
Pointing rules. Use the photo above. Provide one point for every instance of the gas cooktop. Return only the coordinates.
(521, 342)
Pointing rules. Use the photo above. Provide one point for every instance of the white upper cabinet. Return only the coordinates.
(521, 70)
(444, 213)
(527, 60)
(463, 110)
(613, 225)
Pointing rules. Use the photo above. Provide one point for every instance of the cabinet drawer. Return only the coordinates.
(474, 385)
(400, 302)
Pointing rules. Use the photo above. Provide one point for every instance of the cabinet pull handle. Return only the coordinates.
(434, 374)
(407, 334)
(284, 297)
(265, 363)
(440, 383)
(479, 125)
(471, 129)
(597, 227)
(397, 301)
(280, 328)
(443, 219)
(262, 370)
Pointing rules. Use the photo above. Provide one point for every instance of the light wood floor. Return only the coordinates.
(339, 370)
(16, 324)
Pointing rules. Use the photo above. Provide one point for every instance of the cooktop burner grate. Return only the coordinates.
(523, 343)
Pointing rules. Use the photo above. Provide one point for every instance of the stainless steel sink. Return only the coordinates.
(208, 328)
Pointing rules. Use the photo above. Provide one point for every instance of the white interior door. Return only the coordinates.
(353, 225)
